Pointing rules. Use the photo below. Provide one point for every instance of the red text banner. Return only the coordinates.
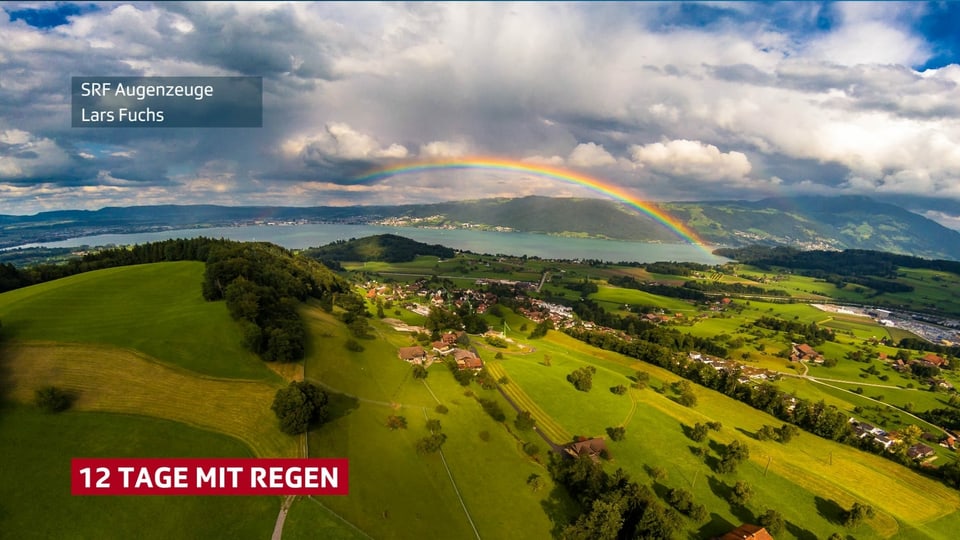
(209, 476)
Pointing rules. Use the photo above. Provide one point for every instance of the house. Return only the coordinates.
(934, 360)
(746, 532)
(589, 447)
(414, 355)
(919, 451)
(442, 348)
(467, 359)
(805, 353)
(450, 338)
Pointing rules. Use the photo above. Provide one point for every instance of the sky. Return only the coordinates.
(667, 101)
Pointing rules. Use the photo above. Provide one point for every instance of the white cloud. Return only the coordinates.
(444, 149)
(590, 155)
(691, 159)
(340, 141)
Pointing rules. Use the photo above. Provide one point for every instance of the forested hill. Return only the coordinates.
(817, 222)
(382, 247)
(851, 262)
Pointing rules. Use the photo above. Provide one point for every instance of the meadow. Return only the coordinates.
(156, 309)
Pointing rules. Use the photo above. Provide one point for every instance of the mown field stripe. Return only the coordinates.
(545, 422)
(119, 380)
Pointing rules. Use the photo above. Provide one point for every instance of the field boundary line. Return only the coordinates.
(341, 518)
(455, 488)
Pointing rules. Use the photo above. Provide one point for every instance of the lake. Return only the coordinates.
(507, 243)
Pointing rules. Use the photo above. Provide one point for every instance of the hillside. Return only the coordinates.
(820, 223)
(848, 222)
(382, 247)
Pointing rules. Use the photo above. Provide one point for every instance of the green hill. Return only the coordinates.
(382, 247)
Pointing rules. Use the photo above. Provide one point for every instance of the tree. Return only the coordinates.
(52, 399)
(298, 406)
(698, 432)
(431, 443)
(582, 378)
(787, 432)
(687, 398)
(396, 422)
(772, 521)
(731, 456)
(433, 425)
(857, 513)
(541, 329)
(524, 421)
(766, 433)
(354, 345)
(617, 433)
(740, 494)
(619, 389)
(420, 372)
(535, 481)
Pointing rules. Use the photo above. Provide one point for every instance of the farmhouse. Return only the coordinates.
(590, 447)
(414, 355)
(442, 348)
(746, 532)
(467, 360)
(934, 360)
(805, 353)
(919, 451)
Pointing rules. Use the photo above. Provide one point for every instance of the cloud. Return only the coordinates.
(676, 100)
(444, 149)
(339, 141)
(692, 159)
(590, 155)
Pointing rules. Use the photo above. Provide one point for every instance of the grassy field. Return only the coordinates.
(35, 480)
(803, 477)
(619, 296)
(119, 380)
(153, 308)
(396, 493)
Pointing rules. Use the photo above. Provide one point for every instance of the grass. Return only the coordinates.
(116, 380)
(620, 296)
(799, 473)
(154, 308)
(35, 480)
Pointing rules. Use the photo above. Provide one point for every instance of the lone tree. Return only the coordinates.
(582, 378)
(857, 513)
(298, 406)
(52, 399)
(524, 421)
(772, 521)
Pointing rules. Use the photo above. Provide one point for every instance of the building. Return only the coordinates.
(414, 355)
(805, 353)
(467, 359)
(589, 447)
(746, 532)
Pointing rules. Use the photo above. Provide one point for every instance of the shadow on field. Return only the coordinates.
(751, 434)
(340, 405)
(798, 533)
(6, 379)
(717, 526)
(829, 510)
(722, 490)
(559, 507)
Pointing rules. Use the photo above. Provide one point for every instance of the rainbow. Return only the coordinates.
(513, 166)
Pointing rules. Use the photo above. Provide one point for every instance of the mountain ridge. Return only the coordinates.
(807, 222)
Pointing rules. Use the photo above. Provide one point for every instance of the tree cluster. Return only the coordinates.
(299, 406)
(262, 285)
(582, 378)
(611, 506)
